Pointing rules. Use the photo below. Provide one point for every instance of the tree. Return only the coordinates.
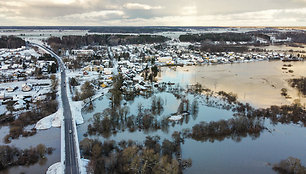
(52, 68)
(87, 90)
(54, 83)
(155, 71)
(96, 150)
(85, 146)
(41, 149)
(159, 104)
(284, 91)
(73, 82)
(194, 108)
(290, 165)
(116, 90)
(167, 148)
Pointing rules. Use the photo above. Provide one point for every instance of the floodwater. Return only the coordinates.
(171, 105)
(249, 155)
(283, 48)
(258, 83)
(50, 138)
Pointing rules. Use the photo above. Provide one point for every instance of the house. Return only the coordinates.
(108, 71)
(20, 104)
(2, 95)
(140, 87)
(164, 59)
(26, 87)
(103, 85)
(11, 89)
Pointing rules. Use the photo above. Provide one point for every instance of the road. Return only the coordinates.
(71, 159)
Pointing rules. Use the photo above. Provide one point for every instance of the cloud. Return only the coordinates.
(152, 12)
(94, 16)
(138, 6)
(189, 10)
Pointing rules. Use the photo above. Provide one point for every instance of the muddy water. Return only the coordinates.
(50, 138)
(258, 83)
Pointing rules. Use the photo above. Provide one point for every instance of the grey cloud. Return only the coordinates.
(140, 11)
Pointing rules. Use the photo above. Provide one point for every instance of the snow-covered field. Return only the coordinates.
(36, 91)
(21, 52)
(53, 120)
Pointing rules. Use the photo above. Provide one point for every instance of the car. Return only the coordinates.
(70, 131)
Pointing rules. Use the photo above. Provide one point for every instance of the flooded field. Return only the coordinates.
(242, 154)
(258, 83)
(282, 48)
(50, 138)
(41, 34)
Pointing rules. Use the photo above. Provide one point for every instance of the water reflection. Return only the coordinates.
(258, 83)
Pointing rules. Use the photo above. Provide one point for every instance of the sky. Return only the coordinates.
(153, 12)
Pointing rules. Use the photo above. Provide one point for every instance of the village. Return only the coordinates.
(24, 79)
(29, 80)
(140, 64)
(25, 72)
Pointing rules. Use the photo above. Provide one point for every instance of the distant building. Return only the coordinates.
(93, 68)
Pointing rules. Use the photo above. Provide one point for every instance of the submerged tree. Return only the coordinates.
(290, 165)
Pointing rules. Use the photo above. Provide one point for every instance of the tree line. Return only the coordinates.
(11, 42)
(233, 37)
(75, 42)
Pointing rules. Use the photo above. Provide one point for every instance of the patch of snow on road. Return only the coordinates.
(55, 169)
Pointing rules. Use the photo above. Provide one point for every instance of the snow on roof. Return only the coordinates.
(175, 117)
(138, 86)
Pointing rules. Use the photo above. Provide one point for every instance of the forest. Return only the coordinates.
(75, 42)
(233, 37)
(296, 37)
(11, 42)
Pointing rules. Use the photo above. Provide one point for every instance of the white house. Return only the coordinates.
(11, 89)
(164, 59)
(2, 95)
(20, 104)
(26, 87)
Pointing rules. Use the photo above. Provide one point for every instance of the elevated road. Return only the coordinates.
(71, 158)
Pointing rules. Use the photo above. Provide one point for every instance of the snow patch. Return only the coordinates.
(84, 165)
(53, 120)
(175, 117)
(55, 169)
(76, 110)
